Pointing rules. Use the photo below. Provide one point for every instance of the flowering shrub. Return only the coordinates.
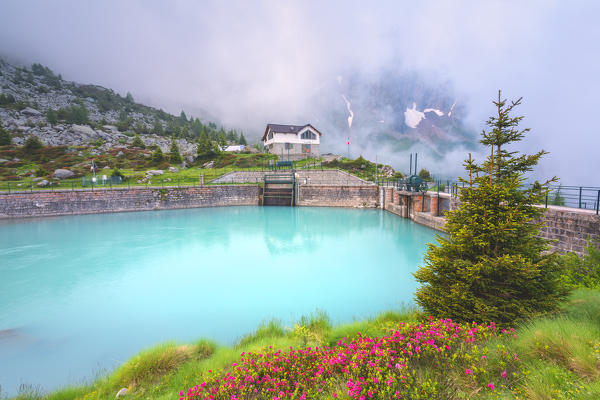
(417, 361)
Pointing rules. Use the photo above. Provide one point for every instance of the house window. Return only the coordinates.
(271, 146)
(289, 146)
(270, 136)
(308, 135)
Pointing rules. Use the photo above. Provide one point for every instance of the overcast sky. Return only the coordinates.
(251, 62)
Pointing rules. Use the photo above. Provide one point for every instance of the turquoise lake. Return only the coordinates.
(79, 295)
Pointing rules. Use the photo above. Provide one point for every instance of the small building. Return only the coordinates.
(234, 148)
(292, 142)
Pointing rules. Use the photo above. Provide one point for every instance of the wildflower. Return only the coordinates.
(491, 386)
(503, 374)
(468, 371)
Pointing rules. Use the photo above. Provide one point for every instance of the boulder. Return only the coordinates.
(209, 164)
(83, 130)
(43, 183)
(173, 169)
(63, 174)
(120, 154)
(189, 159)
(31, 111)
(155, 172)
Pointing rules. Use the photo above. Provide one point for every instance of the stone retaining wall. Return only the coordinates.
(47, 203)
(366, 196)
(570, 227)
(309, 177)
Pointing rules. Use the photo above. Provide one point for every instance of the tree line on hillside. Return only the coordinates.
(158, 122)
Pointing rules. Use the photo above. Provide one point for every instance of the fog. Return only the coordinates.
(245, 64)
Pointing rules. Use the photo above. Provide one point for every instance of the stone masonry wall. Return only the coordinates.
(338, 196)
(570, 227)
(47, 203)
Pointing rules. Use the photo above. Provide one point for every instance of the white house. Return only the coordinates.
(292, 142)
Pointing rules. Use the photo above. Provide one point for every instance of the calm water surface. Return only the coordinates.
(80, 295)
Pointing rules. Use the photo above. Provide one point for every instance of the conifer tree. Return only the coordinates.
(174, 155)
(5, 138)
(205, 147)
(158, 155)
(157, 128)
(137, 142)
(243, 140)
(51, 116)
(493, 266)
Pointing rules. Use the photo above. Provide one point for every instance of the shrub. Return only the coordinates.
(137, 142)
(417, 361)
(174, 156)
(32, 144)
(583, 271)
(5, 138)
(493, 265)
(117, 172)
(158, 155)
(41, 171)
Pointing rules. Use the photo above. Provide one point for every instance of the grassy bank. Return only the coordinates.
(553, 357)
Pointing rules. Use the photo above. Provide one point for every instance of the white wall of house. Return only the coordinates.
(292, 138)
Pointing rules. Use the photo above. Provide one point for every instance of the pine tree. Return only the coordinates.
(493, 266)
(174, 155)
(243, 140)
(157, 128)
(32, 144)
(5, 138)
(51, 116)
(205, 147)
(158, 155)
(137, 142)
(182, 118)
(222, 141)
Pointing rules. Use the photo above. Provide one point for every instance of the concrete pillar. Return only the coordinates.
(434, 205)
(417, 203)
(397, 199)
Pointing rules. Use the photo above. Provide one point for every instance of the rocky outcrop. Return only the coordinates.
(63, 174)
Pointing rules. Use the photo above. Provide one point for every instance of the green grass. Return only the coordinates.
(560, 354)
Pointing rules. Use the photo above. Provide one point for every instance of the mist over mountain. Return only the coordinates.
(391, 112)
(245, 64)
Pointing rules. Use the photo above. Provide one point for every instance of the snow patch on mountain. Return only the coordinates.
(412, 116)
(438, 112)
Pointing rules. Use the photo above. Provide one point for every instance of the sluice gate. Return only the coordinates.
(279, 189)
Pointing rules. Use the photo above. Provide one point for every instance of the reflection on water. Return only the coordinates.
(81, 294)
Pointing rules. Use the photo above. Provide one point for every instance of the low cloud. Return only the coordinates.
(250, 63)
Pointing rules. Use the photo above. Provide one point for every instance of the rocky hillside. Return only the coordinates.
(36, 101)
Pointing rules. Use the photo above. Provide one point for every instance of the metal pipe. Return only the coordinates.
(579, 196)
(416, 155)
(410, 173)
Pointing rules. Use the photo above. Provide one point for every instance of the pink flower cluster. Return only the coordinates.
(364, 368)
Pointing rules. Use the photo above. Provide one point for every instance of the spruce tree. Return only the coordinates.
(137, 142)
(243, 140)
(5, 138)
(158, 155)
(493, 266)
(157, 128)
(51, 116)
(174, 155)
(205, 147)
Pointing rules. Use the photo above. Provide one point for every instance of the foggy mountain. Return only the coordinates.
(398, 112)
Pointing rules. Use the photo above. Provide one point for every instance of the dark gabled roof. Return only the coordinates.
(279, 128)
